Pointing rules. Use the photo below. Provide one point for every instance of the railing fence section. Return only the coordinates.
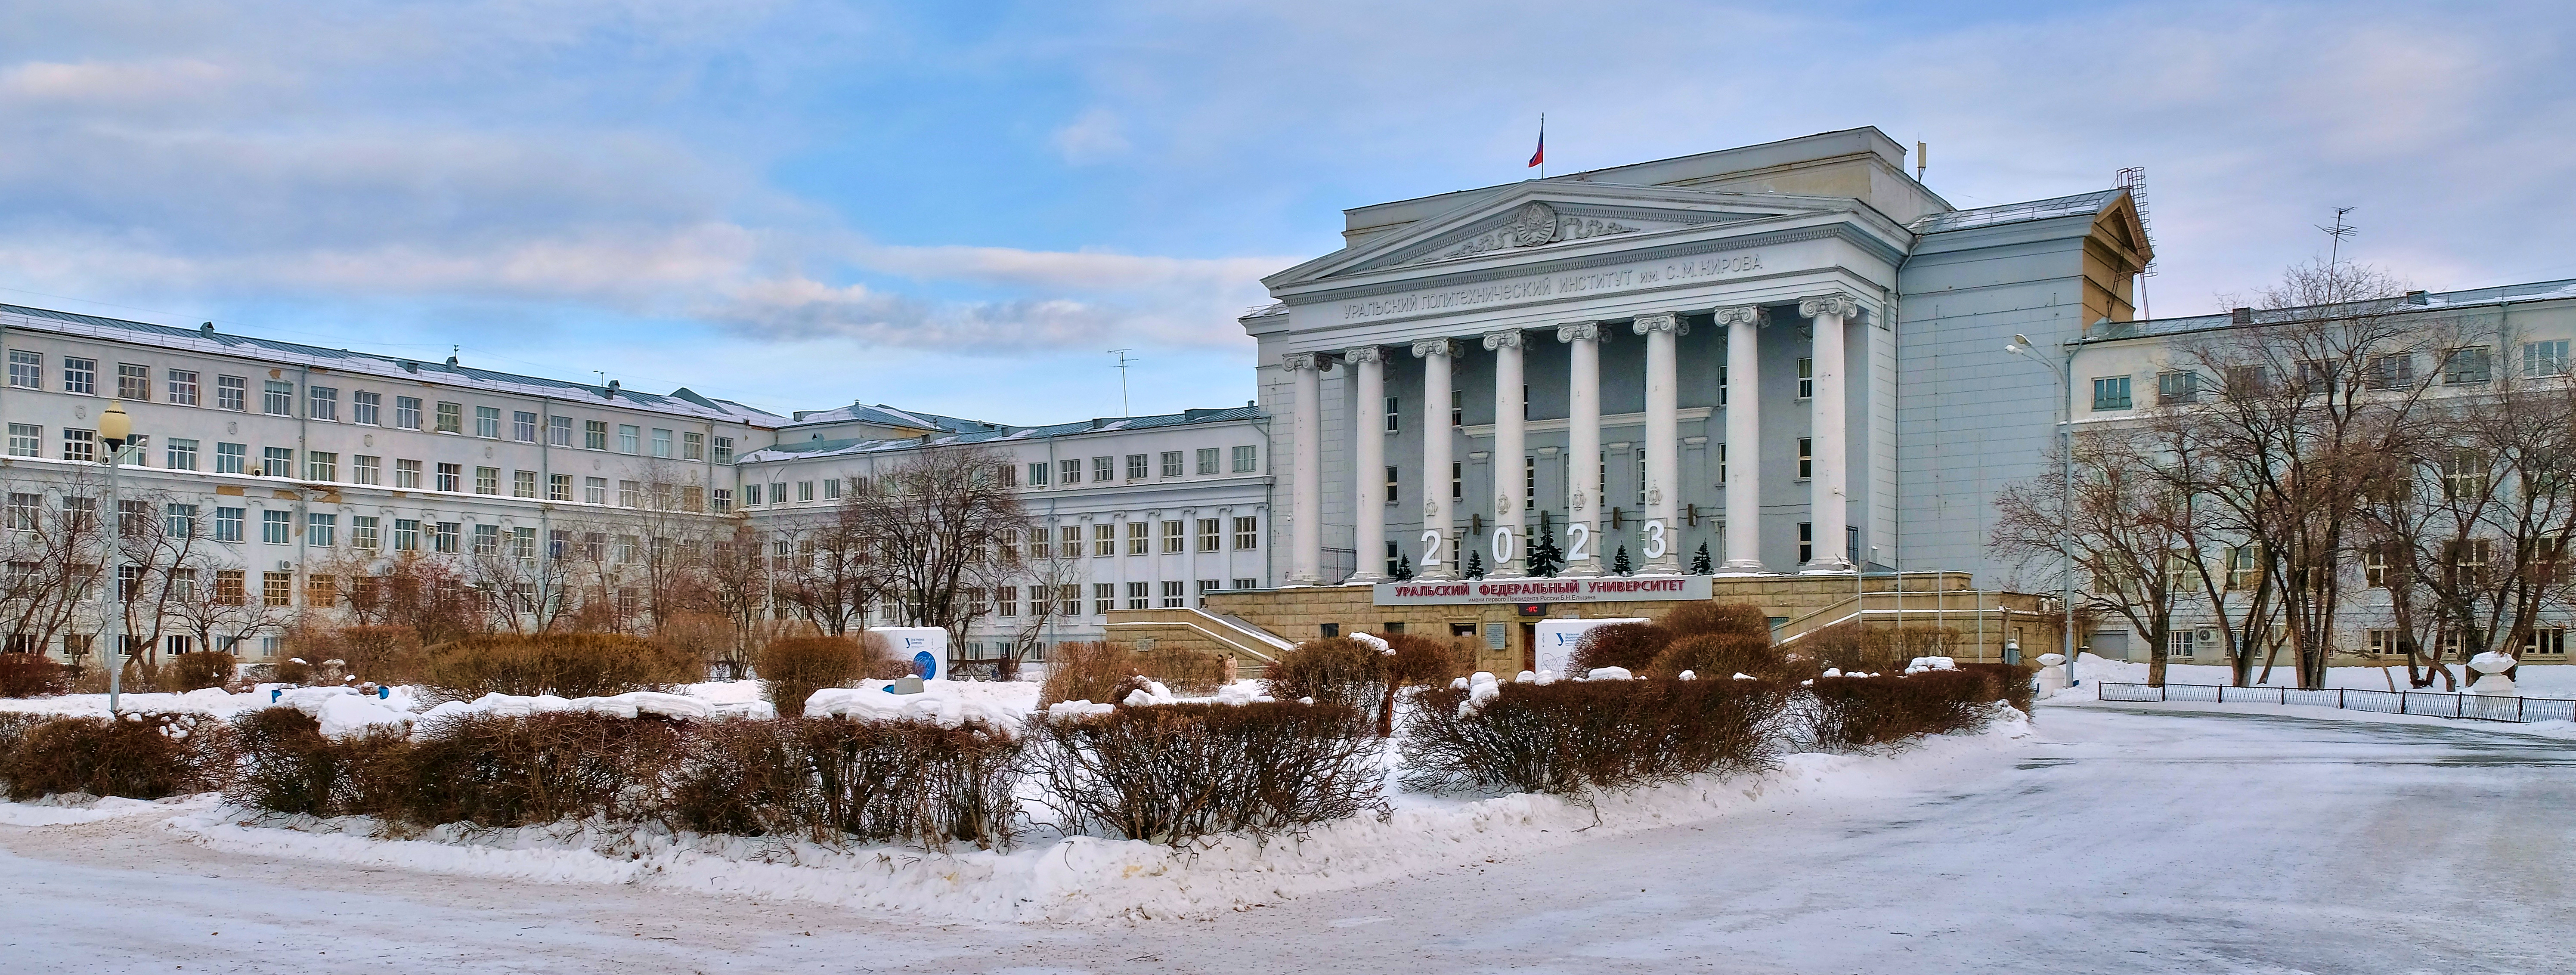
(2476, 707)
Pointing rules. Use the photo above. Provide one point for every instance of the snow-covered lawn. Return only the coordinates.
(2534, 680)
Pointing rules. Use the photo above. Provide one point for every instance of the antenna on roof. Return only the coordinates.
(2134, 179)
(2340, 230)
(1123, 363)
(1922, 158)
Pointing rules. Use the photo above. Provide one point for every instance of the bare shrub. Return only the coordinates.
(1716, 619)
(2009, 683)
(1176, 773)
(1334, 670)
(287, 765)
(1182, 670)
(792, 669)
(1086, 672)
(1723, 655)
(136, 756)
(1630, 645)
(196, 671)
(568, 664)
(1573, 737)
(499, 771)
(294, 670)
(1851, 646)
(383, 654)
(832, 780)
(1419, 661)
(32, 675)
(1864, 712)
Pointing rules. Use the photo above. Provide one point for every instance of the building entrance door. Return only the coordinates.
(1529, 646)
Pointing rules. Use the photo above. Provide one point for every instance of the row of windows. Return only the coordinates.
(1204, 462)
(365, 407)
(2470, 366)
(1458, 398)
(1067, 600)
(1171, 536)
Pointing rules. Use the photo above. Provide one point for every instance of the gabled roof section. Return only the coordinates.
(883, 415)
(2418, 301)
(205, 339)
(2080, 204)
(999, 435)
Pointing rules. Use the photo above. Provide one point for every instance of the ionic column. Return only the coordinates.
(1306, 470)
(1368, 453)
(1663, 439)
(1438, 357)
(1825, 511)
(1743, 438)
(1509, 450)
(1583, 443)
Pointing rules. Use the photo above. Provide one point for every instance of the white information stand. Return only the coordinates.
(1557, 638)
(924, 647)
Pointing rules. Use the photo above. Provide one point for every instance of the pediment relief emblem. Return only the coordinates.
(1531, 224)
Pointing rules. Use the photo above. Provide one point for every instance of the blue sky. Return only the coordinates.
(961, 207)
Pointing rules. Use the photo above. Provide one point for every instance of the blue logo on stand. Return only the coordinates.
(924, 665)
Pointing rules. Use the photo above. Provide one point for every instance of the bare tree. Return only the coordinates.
(2127, 528)
(936, 523)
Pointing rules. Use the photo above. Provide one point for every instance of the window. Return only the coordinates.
(832, 487)
(1207, 460)
(559, 431)
(804, 490)
(1806, 460)
(1104, 597)
(362, 532)
(443, 536)
(366, 469)
(1104, 469)
(26, 369)
(594, 490)
(2470, 366)
(751, 494)
(80, 444)
(277, 589)
(364, 406)
(1241, 582)
(276, 527)
(523, 426)
(26, 440)
(1392, 424)
(2244, 566)
(1211, 534)
(2111, 393)
(2545, 642)
(2177, 388)
(630, 438)
(1104, 539)
(321, 529)
(277, 397)
(321, 590)
(1072, 471)
(487, 539)
(182, 387)
(1175, 595)
(407, 412)
(2538, 359)
(1175, 536)
(406, 535)
(228, 524)
(2317, 377)
(1393, 483)
(487, 480)
(276, 462)
(631, 494)
(693, 446)
(1006, 600)
(558, 487)
(406, 473)
(1806, 542)
(724, 450)
(1529, 482)
(1247, 533)
(321, 465)
(724, 501)
(1140, 595)
(179, 520)
(2467, 560)
(1457, 408)
(1244, 459)
(2390, 372)
(594, 434)
(451, 477)
(322, 403)
(232, 393)
(1806, 379)
(2464, 475)
(1072, 537)
(231, 458)
(2379, 565)
(1140, 538)
(1136, 467)
(1641, 472)
(451, 418)
(661, 442)
(80, 376)
(1172, 463)
(134, 382)
(523, 484)
(487, 422)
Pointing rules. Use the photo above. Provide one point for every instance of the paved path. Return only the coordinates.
(2153, 839)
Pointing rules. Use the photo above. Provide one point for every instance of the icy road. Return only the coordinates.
(2145, 839)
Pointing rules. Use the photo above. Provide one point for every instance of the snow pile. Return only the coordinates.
(1481, 690)
(1740, 675)
(1922, 664)
(1690, 675)
(733, 698)
(1243, 692)
(1152, 693)
(948, 702)
(1076, 709)
(1609, 673)
(1372, 642)
(345, 713)
(628, 705)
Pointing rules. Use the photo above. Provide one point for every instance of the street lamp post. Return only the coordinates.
(116, 429)
(2020, 346)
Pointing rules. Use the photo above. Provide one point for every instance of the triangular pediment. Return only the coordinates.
(1539, 217)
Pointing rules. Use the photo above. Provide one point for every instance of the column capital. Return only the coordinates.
(1509, 338)
(1426, 348)
(1661, 322)
(1571, 332)
(1302, 361)
(1369, 354)
(1835, 305)
(1754, 315)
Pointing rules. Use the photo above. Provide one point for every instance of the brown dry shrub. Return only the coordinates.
(830, 779)
(382, 654)
(792, 669)
(1630, 645)
(2009, 683)
(1175, 773)
(1716, 619)
(136, 756)
(139, 676)
(1334, 670)
(294, 670)
(1086, 672)
(287, 766)
(33, 675)
(1182, 670)
(195, 671)
(501, 771)
(1876, 649)
(1572, 737)
(566, 664)
(1721, 656)
(1863, 712)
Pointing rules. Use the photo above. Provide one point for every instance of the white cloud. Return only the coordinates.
(1093, 136)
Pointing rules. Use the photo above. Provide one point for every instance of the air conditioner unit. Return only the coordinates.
(285, 566)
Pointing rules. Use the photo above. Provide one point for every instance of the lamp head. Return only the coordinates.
(113, 425)
(2021, 340)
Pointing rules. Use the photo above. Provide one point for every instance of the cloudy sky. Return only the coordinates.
(962, 207)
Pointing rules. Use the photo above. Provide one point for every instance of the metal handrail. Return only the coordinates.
(2473, 707)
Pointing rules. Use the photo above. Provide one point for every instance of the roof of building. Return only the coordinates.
(884, 415)
(680, 401)
(999, 434)
(2078, 205)
(2560, 290)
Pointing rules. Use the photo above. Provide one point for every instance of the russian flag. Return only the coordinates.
(1541, 155)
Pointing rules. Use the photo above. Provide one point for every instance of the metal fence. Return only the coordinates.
(2476, 707)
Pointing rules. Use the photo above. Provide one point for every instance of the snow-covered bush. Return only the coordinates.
(793, 668)
(1629, 645)
(1335, 670)
(1174, 773)
(1184, 670)
(497, 771)
(135, 756)
(1086, 672)
(1582, 736)
(33, 675)
(1860, 712)
(829, 780)
(566, 664)
(1723, 653)
(288, 766)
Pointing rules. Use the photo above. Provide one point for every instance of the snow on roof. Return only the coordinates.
(826, 448)
(2560, 290)
(884, 415)
(681, 401)
(2081, 204)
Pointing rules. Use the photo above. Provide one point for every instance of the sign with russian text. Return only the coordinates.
(1606, 589)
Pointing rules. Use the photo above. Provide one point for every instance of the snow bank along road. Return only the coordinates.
(2154, 839)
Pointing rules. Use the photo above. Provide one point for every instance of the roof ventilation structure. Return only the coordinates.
(2240, 316)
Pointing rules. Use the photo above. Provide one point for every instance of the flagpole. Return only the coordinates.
(1542, 144)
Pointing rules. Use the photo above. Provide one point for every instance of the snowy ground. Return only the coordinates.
(2115, 838)
(2536, 680)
